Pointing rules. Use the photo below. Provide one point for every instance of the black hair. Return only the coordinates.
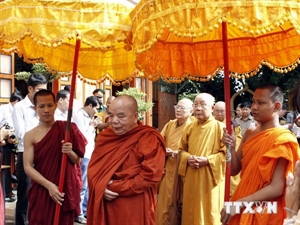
(43, 92)
(93, 100)
(35, 79)
(16, 96)
(276, 93)
(97, 90)
(67, 88)
(62, 94)
(245, 104)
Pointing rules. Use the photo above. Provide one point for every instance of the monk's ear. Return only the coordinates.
(136, 117)
(278, 106)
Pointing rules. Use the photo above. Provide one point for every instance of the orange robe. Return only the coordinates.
(135, 162)
(47, 161)
(172, 135)
(260, 155)
(203, 191)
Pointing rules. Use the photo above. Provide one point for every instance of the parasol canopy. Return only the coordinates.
(183, 39)
(46, 30)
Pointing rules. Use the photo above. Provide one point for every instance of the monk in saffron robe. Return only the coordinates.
(220, 115)
(172, 133)
(42, 163)
(202, 165)
(125, 167)
(266, 154)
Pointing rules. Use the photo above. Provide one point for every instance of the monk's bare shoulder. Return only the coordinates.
(36, 134)
(251, 132)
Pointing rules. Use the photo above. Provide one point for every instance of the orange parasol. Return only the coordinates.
(46, 30)
(194, 39)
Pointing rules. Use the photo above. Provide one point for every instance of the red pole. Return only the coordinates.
(228, 113)
(67, 132)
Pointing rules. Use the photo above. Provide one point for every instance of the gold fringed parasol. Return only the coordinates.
(46, 30)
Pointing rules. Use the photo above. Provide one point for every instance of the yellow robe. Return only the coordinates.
(203, 194)
(172, 135)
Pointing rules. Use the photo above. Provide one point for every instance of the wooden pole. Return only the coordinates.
(67, 132)
(228, 113)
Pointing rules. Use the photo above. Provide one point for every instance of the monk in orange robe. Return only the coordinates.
(172, 133)
(125, 167)
(266, 154)
(202, 165)
(42, 162)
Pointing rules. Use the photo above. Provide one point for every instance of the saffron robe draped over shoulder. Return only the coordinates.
(172, 134)
(260, 155)
(134, 162)
(47, 161)
(203, 193)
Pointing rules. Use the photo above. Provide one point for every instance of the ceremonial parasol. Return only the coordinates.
(179, 39)
(46, 30)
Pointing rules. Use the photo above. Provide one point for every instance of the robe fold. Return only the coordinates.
(172, 135)
(135, 163)
(260, 155)
(47, 161)
(203, 193)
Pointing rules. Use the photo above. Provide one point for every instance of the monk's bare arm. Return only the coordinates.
(236, 156)
(67, 149)
(275, 188)
(28, 157)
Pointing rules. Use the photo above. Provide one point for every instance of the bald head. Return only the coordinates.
(123, 114)
(109, 100)
(203, 107)
(219, 111)
(208, 98)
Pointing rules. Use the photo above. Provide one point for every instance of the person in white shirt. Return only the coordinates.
(77, 105)
(86, 123)
(62, 100)
(24, 119)
(9, 143)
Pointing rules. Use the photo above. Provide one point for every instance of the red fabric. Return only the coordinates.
(135, 163)
(47, 160)
(260, 155)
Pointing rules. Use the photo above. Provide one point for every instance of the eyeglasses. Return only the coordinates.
(181, 108)
(99, 96)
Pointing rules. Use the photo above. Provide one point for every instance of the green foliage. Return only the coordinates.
(37, 68)
(143, 105)
(190, 96)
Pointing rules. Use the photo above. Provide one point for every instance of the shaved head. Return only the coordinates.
(203, 107)
(123, 114)
(128, 101)
(208, 98)
(219, 111)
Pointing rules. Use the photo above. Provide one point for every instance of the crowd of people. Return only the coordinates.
(120, 171)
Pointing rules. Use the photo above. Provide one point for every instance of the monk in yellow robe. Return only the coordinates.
(202, 165)
(172, 133)
(219, 114)
(265, 156)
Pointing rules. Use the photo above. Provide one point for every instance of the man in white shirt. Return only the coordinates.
(77, 105)
(62, 100)
(86, 123)
(24, 119)
(9, 143)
